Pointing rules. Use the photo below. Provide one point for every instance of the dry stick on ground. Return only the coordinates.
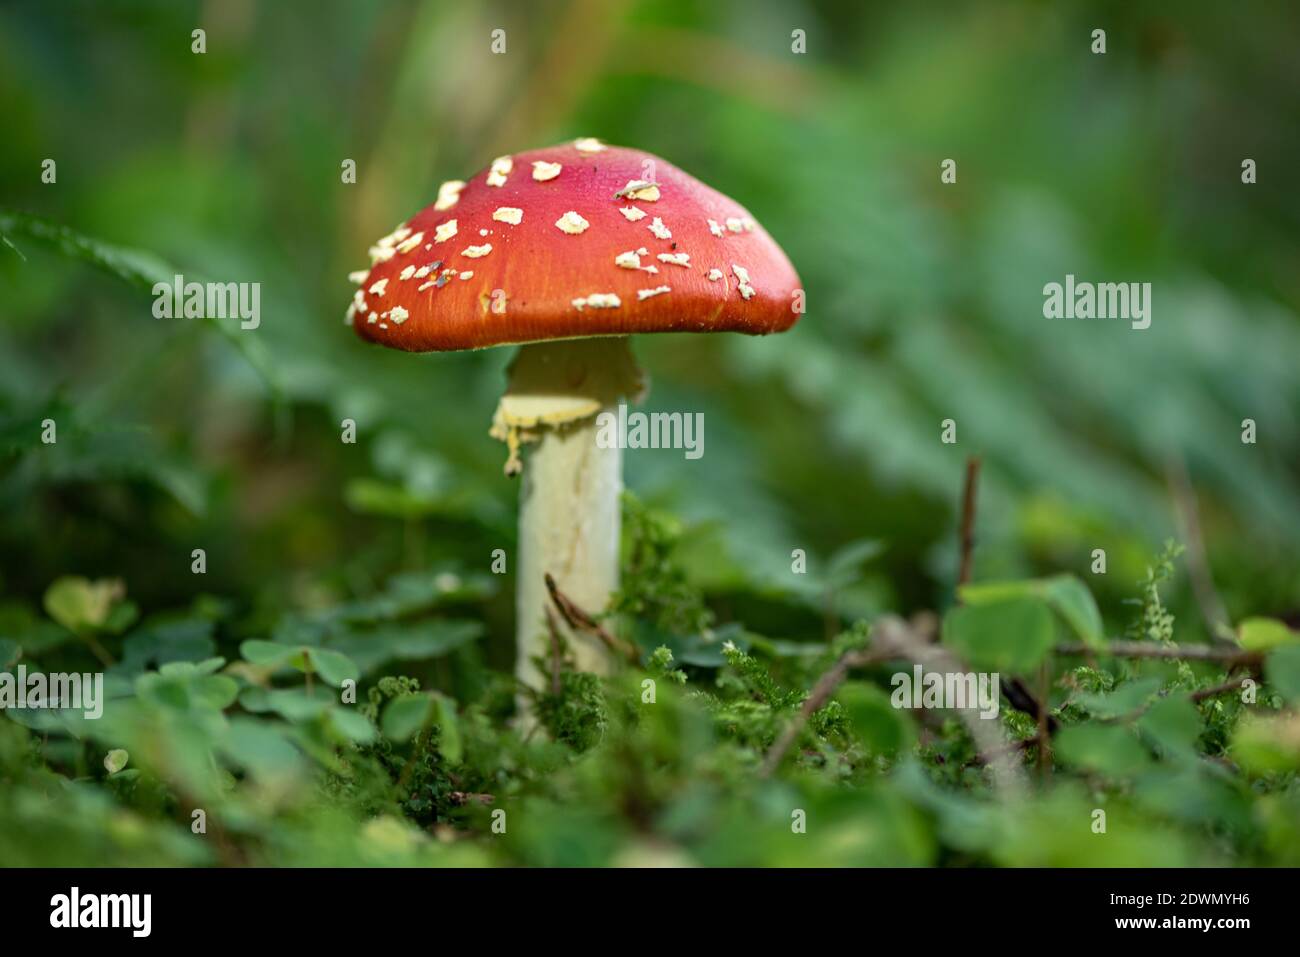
(968, 519)
(1198, 563)
(817, 698)
(1019, 696)
(892, 634)
(892, 638)
(1142, 649)
(578, 619)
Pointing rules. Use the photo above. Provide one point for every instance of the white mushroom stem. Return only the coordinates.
(568, 527)
(569, 499)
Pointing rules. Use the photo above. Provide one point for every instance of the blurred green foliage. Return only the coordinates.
(328, 561)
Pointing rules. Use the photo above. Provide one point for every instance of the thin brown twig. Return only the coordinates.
(578, 619)
(893, 635)
(968, 519)
(1044, 735)
(1016, 691)
(1143, 649)
(817, 698)
(892, 638)
(1230, 685)
(1213, 611)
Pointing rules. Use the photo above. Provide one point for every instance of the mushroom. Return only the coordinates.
(567, 252)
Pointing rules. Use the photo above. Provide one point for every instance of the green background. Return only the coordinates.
(924, 303)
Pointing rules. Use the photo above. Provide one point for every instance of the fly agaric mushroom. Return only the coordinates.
(566, 252)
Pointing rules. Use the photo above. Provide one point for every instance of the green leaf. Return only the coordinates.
(187, 691)
(845, 562)
(165, 639)
(81, 605)
(214, 691)
(371, 496)
(1282, 670)
(406, 715)
(352, 726)
(449, 742)
(332, 666)
(268, 654)
(291, 704)
(115, 760)
(1073, 601)
(1261, 634)
(1067, 596)
(1106, 749)
(1193, 794)
(1011, 635)
(1264, 744)
(139, 268)
(262, 748)
(1173, 724)
(122, 616)
(877, 723)
(1124, 700)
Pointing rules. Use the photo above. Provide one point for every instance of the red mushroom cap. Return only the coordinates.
(568, 242)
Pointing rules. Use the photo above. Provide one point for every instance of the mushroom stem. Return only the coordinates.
(568, 527)
(569, 499)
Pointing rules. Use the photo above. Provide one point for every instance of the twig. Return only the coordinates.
(892, 634)
(1044, 735)
(968, 519)
(1229, 685)
(97, 649)
(1016, 691)
(1013, 747)
(460, 798)
(1217, 622)
(892, 638)
(1143, 649)
(578, 619)
(817, 698)
(1022, 699)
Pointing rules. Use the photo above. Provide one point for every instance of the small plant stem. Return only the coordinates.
(1044, 732)
(97, 649)
(968, 520)
(817, 698)
(579, 620)
(1211, 605)
(1230, 685)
